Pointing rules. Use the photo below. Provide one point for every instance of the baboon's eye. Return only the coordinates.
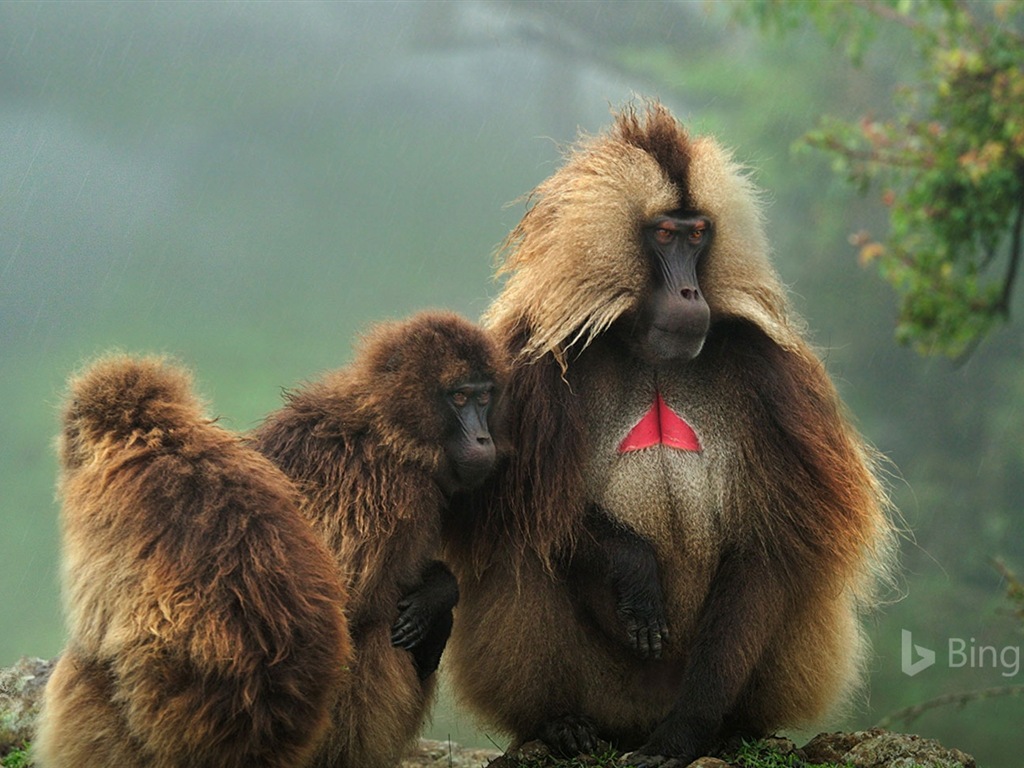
(665, 235)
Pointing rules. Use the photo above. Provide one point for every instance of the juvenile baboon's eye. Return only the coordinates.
(483, 398)
(460, 399)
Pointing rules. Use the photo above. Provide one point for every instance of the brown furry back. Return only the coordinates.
(205, 620)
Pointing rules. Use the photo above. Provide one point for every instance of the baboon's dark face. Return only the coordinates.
(468, 444)
(672, 320)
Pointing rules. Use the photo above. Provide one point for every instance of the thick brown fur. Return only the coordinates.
(770, 541)
(205, 619)
(364, 444)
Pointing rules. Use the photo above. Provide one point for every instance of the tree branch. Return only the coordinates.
(887, 13)
(976, 26)
(1003, 307)
(889, 160)
(909, 714)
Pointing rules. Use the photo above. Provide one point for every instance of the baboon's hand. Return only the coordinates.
(427, 609)
(570, 735)
(641, 609)
(630, 566)
(414, 619)
(646, 632)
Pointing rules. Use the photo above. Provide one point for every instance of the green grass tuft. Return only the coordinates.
(17, 758)
(758, 754)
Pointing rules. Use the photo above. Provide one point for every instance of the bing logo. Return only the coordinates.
(961, 653)
(909, 665)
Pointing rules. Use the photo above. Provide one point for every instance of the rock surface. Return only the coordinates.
(445, 754)
(875, 748)
(21, 690)
(879, 748)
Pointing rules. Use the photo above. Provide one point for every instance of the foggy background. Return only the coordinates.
(247, 186)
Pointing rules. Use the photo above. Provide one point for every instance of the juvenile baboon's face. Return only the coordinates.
(468, 445)
(429, 387)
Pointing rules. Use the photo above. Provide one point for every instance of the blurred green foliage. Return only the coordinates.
(948, 160)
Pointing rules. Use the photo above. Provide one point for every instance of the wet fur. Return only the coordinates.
(364, 444)
(204, 618)
(770, 543)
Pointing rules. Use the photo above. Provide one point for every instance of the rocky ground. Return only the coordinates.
(875, 748)
(21, 687)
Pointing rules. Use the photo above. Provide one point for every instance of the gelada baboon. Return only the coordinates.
(205, 618)
(688, 527)
(378, 449)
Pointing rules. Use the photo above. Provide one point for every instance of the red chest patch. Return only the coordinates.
(661, 426)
